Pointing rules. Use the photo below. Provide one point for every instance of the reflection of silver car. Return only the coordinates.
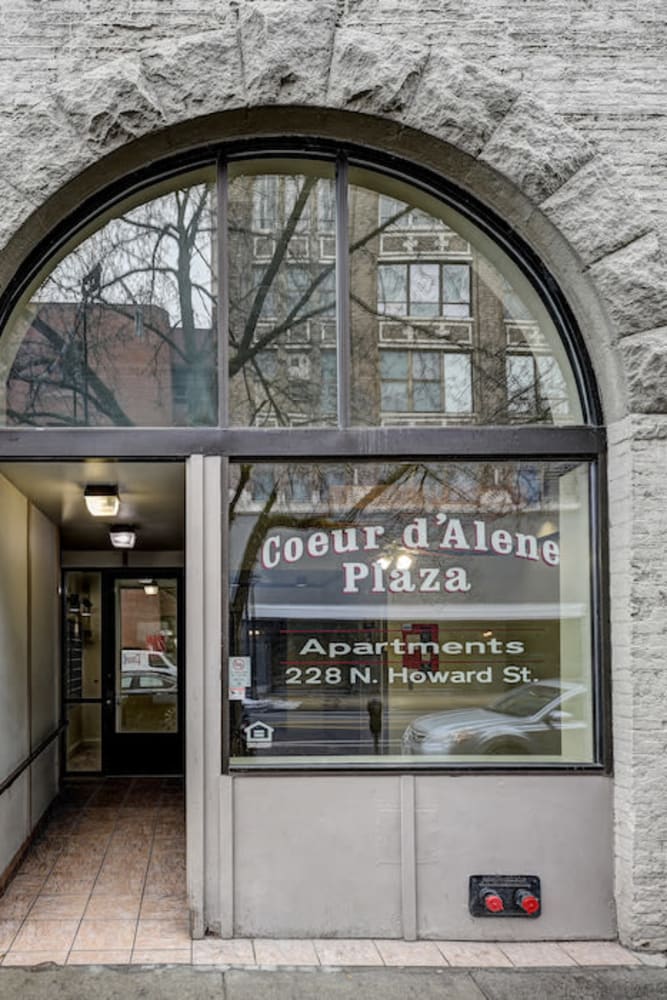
(161, 686)
(270, 704)
(528, 720)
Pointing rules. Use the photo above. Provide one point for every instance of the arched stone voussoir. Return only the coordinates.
(286, 50)
(112, 104)
(595, 211)
(376, 74)
(535, 150)
(459, 102)
(645, 363)
(39, 154)
(632, 284)
(193, 75)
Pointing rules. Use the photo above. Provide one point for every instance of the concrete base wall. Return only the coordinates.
(390, 856)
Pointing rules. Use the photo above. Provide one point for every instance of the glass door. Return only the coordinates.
(143, 706)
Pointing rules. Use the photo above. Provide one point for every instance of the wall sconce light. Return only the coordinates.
(151, 589)
(122, 536)
(102, 501)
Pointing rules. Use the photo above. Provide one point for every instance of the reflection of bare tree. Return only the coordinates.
(123, 331)
(267, 519)
(121, 320)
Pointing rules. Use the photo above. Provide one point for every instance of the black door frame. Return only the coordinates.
(143, 746)
(108, 576)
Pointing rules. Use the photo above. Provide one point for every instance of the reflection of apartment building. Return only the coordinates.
(438, 335)
(455, 340)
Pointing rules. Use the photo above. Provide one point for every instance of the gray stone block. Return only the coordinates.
(380, 75)
(214, 73)
(535, 150)
(633, 286)
(588, 211)
(460, 102)
(645, 362)
(111, 105)
(286, 50)
(28, 169)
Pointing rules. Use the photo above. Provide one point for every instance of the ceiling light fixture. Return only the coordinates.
(122, 536)
(151, 589)
(102, 500)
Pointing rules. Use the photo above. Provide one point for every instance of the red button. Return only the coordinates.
(493, 902)
(528, 902)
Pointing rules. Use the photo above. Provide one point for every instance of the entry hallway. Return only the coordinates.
(105, 884)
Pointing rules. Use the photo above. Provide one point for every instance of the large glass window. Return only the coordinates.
(327, 320)
(410, 613)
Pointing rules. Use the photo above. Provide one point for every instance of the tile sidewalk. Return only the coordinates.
(105, 885)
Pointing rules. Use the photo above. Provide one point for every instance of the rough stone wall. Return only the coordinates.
(599, 65)
(638, 584)
(565, 102)
(552, 111)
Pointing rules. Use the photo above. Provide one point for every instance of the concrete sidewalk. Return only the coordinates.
(189, 983)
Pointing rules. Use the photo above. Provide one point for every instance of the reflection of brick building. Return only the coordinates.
(92, 364)
(108, 365)
(148, 620)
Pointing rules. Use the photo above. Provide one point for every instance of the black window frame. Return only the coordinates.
(585, 441)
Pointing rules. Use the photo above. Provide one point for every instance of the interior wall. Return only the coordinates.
(29, 659)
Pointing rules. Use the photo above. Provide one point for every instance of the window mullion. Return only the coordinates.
(343, 293)
(222, 210)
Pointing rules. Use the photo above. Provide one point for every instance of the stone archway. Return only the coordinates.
(293, 68)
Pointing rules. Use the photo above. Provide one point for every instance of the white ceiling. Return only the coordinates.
(152, 497)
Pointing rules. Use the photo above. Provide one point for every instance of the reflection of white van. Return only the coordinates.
(147, 660)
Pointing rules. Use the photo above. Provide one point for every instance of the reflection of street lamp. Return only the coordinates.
(401, 559)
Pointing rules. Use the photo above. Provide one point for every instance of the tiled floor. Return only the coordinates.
(105, 884)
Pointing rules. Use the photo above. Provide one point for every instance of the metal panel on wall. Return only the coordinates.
(317, 857)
